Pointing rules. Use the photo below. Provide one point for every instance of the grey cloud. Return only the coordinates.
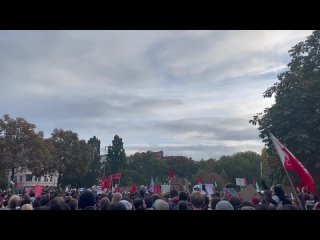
(150, 87)
(210, 128)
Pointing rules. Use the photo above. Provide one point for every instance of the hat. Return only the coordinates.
(127, 204)
(224, 205)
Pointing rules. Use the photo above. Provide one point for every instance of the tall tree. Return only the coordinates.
(78, 165)
(146, 165)
(295, 116)
(116, 155)
(65, 143)
(21, 147)
(95, 166)
(241, 164)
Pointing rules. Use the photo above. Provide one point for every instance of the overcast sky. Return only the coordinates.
(187, 93)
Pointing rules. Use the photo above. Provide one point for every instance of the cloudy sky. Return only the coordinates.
(187, 93)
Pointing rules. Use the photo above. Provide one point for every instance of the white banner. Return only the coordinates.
(165, 188)
(240, 182)
(210, 188)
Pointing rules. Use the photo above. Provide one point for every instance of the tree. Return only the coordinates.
(21, 147)
(272, 172)
(183, 167)
(241, 164)
(95, 166)
(65, 143)
(116, 155)
(146, 165)
(295, 116)
(79, 163)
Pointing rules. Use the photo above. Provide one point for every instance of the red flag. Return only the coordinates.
(109, 182)
(290, 162)
(157, 188)
(38, 190)
(16, 185)
(103, 183)
(200, 180)
(116, 176)
(171, 173)
(134, 188)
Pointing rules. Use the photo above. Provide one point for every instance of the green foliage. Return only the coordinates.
(116, 155)
(241, 165)
(145, 165)
(183, 167)
(21, 147)
(295, 116)
(71, 156)
(94, 171)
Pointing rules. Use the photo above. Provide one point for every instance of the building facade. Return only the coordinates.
(26, 179)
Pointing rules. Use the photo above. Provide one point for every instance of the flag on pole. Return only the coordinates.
(103, 183)
(116, 176)
(151, 189)
(171, 173)
(200, 180)
(109, 182)
(38, 190)
(214, 181)
(290, 162)
(157, 188)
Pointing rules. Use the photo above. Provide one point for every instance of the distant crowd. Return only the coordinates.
(228, 199)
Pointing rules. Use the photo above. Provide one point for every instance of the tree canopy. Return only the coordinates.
(21, 147)
(295, 116)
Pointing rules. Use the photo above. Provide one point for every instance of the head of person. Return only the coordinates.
(224, 205)
(86, 199)
(197, 200)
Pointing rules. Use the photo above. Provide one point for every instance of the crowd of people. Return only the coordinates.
(228, 199)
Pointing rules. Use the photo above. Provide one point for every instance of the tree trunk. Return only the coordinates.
(12, 173)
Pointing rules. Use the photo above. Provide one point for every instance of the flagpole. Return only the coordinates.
(277, 146)
(294, 190)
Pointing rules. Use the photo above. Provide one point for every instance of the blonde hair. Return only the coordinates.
(13, 201)
(26, 207)
(116, 198)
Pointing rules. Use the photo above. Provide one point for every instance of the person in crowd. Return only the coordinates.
(224, 205)
(87, 201)
(162, 205)
(197, 200)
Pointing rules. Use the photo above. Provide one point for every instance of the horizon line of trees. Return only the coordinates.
(79, 163)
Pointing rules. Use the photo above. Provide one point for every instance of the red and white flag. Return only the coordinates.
(290, 162)
(116, 176)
